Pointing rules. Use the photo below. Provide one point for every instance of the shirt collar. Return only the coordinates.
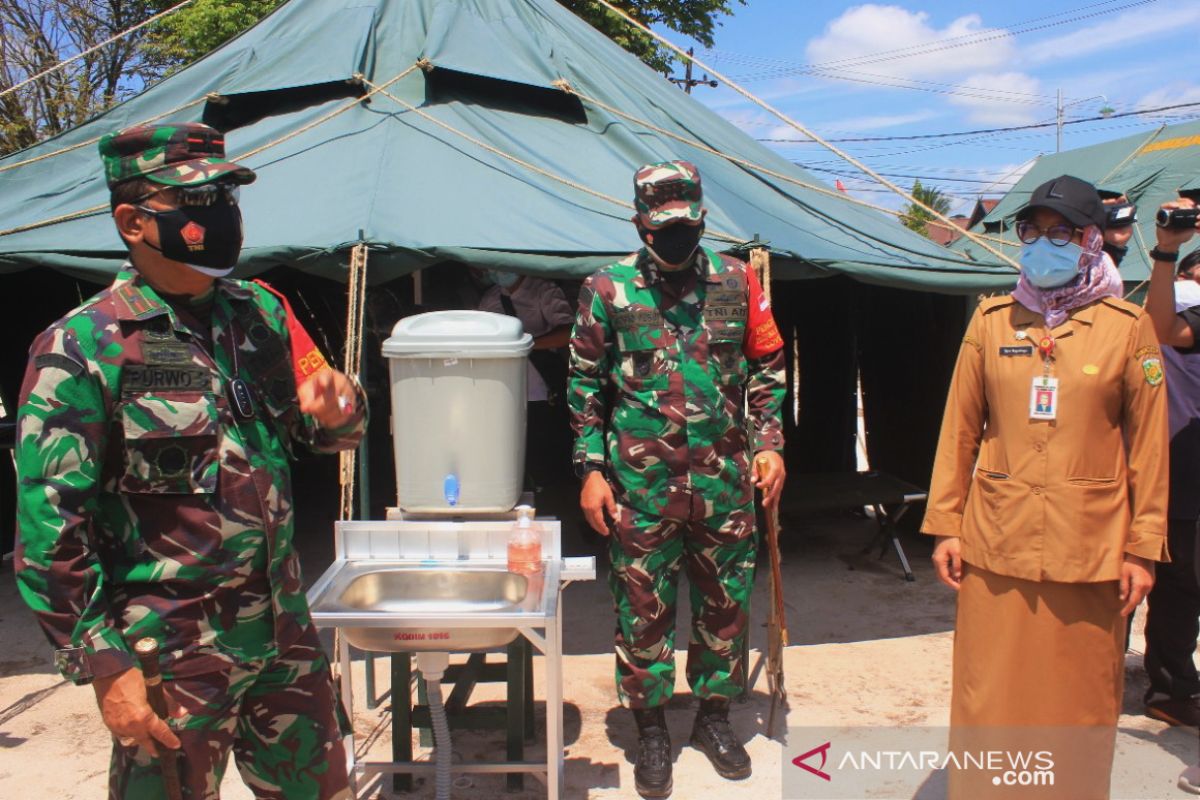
(137, 299)
(704, 262)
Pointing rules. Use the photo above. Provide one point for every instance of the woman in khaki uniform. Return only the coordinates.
(1049, 500)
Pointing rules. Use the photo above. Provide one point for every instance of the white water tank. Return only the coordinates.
(458, 411)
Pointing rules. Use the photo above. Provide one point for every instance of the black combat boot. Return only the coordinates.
(714, 736)
(652, 770)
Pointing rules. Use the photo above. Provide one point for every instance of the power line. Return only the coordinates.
(914, 177)
(981, 131)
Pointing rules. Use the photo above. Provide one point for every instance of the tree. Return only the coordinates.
(204, 26)
(38, 34)
(696, 19)
(916, 218)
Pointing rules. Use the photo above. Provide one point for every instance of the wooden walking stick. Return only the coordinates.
(146, 651)
(777, 616)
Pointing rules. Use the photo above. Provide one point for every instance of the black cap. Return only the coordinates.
(1075, 199)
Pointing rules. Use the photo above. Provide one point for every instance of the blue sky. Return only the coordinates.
(931, 66)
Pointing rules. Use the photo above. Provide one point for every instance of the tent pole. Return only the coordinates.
(352, 365)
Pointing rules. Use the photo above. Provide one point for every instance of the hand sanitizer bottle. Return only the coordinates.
(525, 544)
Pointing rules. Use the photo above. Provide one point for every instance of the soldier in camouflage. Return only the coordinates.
(676, 381)
(153, 436)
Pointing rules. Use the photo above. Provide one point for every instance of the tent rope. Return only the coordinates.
(280, 140)
(568, 88)
(96, 139)
(1136, 152)
(94, 48)
(714, 234)
(800, 128)
(356, 304)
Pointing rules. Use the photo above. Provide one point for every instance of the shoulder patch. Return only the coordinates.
(1153, 370)
(132, 300)
(971, 340)
(58, 361)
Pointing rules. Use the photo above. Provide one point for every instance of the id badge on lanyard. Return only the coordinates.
(1043, 396)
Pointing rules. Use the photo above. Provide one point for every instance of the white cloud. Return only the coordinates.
(993, 108)
(1111, 33)
(1172, 94)
(881, 30)
(879, 121)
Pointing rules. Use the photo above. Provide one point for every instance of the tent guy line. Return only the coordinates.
(1004, 259)
(96, 139)
(94, 48)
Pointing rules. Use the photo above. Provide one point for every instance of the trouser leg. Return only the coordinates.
(1173, 617)
(203, 714)
(288, 744)
(719, 555)
(646, 553)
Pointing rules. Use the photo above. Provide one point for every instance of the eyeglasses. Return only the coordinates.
(1058, 235)
(206, 194)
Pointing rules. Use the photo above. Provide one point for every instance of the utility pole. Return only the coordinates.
(1059, 123)
(687, 82)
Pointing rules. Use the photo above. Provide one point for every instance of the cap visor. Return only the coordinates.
(659, 217)
(201, 171)
(1072, 214)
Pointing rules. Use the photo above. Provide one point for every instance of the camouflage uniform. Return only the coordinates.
(658, 393)
(148, 507)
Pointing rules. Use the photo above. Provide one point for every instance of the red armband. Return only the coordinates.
(307, 358)
(762, 334)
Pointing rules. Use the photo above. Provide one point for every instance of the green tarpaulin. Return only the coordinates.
(522, 182)
(1149, 168)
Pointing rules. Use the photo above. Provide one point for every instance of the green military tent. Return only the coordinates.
(505, 133)
(489, 132)
(1149, 168)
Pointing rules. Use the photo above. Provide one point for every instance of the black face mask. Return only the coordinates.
(1115, 253)
(206, 238)
(675, 244)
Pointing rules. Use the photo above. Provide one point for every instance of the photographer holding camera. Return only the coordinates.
(1173, 607)
(1118, 230)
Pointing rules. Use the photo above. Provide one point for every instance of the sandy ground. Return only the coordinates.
(867, 649)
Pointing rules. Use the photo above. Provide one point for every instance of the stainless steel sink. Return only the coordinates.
(406, 607)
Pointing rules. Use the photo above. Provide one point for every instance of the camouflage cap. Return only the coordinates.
(185, 154)
(666, 192)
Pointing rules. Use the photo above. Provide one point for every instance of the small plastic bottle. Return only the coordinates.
(525, 544)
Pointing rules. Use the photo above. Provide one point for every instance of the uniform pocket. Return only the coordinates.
(170, 443)
(645, 363)
(994, 509)
(727, 360)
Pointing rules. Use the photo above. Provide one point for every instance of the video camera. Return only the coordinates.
(1120, 215)
(1177, 219)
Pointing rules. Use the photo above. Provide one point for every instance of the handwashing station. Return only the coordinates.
(461, 568)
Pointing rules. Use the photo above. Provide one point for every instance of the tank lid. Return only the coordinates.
(480, 333)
